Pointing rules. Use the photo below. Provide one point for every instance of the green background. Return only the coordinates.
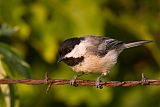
(32, 30)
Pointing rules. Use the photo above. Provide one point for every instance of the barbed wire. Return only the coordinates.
(51, 82)
(80, 82)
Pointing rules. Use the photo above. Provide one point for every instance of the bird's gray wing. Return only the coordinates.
(106, 44)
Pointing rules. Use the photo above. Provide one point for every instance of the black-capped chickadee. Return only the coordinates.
(91, 54)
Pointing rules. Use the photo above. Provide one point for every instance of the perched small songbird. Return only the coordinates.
(91, 54)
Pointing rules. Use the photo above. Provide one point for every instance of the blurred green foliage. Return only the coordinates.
(31, 30)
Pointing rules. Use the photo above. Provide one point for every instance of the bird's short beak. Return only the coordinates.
(60, 59)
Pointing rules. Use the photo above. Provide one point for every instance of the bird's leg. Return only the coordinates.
(98, 81)
(73, 80)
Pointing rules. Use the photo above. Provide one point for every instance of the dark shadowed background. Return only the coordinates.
(30, 34)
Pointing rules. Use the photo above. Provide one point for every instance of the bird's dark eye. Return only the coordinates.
(66, 51)
(63, 52)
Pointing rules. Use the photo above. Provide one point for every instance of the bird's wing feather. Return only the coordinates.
(106, 44)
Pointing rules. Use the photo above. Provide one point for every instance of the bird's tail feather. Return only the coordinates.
(133, 44)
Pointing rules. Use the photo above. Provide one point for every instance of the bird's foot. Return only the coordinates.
(73, 81)
(144, 79)
(98, 83)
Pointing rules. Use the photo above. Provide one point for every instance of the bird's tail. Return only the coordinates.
(133, 44)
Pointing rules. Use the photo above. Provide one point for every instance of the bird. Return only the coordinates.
(93, 54)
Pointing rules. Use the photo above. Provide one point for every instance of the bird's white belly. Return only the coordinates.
(93, 63)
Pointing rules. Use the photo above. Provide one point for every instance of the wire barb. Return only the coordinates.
(46, 78)
(48, 88)
(46, 82)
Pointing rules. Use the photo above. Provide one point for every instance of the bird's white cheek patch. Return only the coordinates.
(78, 51)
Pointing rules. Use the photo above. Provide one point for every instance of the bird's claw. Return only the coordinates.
(98, 83)
(144, 80)
(73, 82)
